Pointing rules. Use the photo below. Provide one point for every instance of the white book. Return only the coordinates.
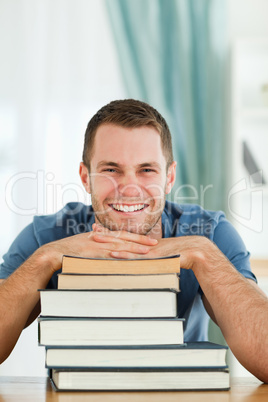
(109, 303)
(88, 332)
(149, 380)
(195, 354)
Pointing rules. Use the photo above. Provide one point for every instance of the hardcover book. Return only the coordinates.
(116, 266)
(117, 281)
(195, 354)
(89, 331)
(141, 379)
(109, 303)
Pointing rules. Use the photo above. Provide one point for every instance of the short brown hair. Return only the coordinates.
(128, 113)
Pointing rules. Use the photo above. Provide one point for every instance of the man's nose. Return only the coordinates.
(129, 186)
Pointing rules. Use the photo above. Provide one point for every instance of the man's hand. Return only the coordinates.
(189, 247)
(192, 249)
(100, 243)
(120, 244)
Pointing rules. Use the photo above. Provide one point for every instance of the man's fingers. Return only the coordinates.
(121, 245)
(125, 255)
(99, 228)
(124, 235)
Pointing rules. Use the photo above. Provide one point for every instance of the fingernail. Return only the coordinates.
(114, 254)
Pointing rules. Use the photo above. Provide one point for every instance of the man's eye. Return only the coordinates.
(147, 170)
(109, 170)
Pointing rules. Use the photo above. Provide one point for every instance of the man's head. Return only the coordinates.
(128, 113)
(128, 166)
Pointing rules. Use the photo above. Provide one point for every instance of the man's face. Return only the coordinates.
(128, 179)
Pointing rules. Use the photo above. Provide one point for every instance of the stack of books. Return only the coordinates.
(112, 325)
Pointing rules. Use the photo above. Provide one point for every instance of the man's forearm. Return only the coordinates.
(241, 311)
(18, 297)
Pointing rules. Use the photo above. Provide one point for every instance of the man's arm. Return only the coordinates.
(209, 308)
(236, 304)
(19, 296)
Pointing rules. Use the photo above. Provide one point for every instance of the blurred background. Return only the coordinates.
(202, 63)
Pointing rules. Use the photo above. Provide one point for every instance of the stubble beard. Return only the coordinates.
(130, 225)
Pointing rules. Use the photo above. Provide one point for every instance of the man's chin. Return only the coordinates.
(132, 225)
(118, 226)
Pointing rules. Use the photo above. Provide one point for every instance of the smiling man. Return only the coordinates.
(128, 169)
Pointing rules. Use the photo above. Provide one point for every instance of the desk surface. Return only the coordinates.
(37, 389)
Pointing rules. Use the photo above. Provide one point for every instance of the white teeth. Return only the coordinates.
(126, 208)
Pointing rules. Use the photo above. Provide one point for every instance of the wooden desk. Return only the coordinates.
(37, 389)
(259, 267)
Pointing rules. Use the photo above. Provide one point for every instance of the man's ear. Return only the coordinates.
(171, 176)
(84, 174)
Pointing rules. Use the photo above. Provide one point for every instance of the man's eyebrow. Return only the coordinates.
(152, 164)
(107, 163)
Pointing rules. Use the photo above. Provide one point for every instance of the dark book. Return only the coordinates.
(116, 281)
(80, 265)
(140, 379)
(196, 354)
(88, 332)
(109, 303)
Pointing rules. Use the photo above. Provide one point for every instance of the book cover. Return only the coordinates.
(83, 265)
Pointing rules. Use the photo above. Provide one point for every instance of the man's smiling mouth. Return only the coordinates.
(128, 208)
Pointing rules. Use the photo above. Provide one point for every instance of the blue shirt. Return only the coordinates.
(177, 220)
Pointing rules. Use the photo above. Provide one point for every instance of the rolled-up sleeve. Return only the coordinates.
(22, 247)
(231, 244)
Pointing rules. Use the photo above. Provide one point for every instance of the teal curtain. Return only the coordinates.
(172, 55)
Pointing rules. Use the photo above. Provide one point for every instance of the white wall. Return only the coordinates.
(247, 18)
